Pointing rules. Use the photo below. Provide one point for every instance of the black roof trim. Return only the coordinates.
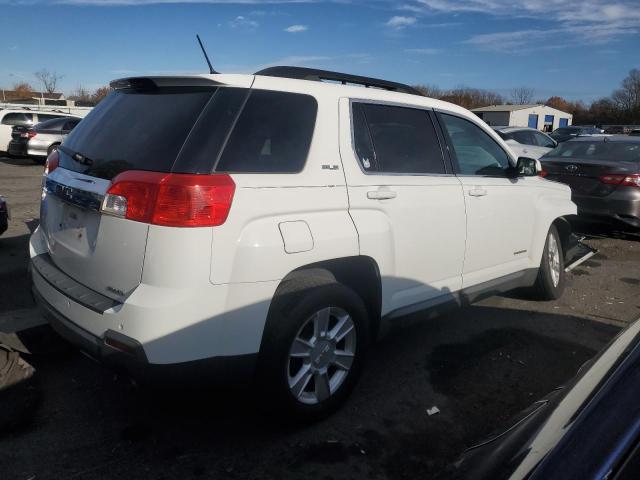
(157, 82)
(313, 74)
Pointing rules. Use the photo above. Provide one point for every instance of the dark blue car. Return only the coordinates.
(589, 429)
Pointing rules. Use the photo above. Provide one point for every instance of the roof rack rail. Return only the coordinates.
(313, 74)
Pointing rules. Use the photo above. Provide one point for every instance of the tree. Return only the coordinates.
(559, 103)
(522, 95)
(80, 94)
(627, 97)
(472, 97)
(99, 94)
(23, 89)
(429, 90)
(48, 79)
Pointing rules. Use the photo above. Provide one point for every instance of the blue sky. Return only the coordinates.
(578, 49)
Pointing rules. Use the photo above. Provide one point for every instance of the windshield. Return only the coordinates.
(620, 151)
(566, 131)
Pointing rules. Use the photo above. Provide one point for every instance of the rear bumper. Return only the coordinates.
(619, 206)
(130, 357)
(17, 148)
(202, 331)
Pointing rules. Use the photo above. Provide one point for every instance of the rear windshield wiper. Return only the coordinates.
(77, 156)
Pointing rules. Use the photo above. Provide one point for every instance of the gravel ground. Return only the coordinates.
(479, 366)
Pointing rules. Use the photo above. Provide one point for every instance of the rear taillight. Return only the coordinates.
(170, 199)
(31, 134)
(543, 173)
(632, 180)
(53, 161)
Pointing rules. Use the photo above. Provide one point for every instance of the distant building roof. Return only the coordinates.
(10, 95)
(506, 108)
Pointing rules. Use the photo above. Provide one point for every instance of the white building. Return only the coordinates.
(540, 117)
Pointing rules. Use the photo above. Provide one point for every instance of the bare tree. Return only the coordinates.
(429, 90)
(48, 79)
(100, 93)
(80, 94)
(522, 95)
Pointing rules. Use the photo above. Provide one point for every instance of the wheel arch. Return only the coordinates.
(360, 273)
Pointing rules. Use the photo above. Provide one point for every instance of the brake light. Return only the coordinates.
(632, 180)
(31, 134)
(170, 199)
(543, 173)
(53, 161)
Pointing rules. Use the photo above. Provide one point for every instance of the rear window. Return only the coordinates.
(187, 131)
(617, 151)
(133, 130)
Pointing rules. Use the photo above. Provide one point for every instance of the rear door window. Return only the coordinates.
(272, 135)
(134, 130)
(524, 137)
(55, 124)
(391, 139)
(43, 117)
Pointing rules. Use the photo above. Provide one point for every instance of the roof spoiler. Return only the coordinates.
(313, 74)
(151, 83)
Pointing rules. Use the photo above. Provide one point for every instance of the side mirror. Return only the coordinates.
(528, 167)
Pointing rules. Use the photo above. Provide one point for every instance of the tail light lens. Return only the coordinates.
(170, 199)
(53, 161)
(632, 180)
(543, 173)
(31, 134)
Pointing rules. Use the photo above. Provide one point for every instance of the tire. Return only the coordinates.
(309, 379)
(52, 148)
(551, 279)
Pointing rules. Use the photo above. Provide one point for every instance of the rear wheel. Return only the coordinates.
(550, 282)
(313, 350)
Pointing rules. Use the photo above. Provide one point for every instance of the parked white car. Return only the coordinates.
(23, 117)
(266, 226)
(526, 142)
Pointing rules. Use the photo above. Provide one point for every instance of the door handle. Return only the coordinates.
(478, 192)
(381, 194)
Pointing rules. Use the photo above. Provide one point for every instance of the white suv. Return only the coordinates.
(262, 227)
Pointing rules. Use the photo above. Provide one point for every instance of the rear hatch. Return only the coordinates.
(141, 128)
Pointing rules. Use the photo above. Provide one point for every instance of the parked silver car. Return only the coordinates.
(38, 142)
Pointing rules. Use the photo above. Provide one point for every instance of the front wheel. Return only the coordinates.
(550, 282)
(313, 349)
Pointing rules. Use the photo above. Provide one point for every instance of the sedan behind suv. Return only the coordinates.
(38, 142)
(526, 142)
(563, 134)
(604, 176)
(26, 117)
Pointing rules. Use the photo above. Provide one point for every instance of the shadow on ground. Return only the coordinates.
(480, 366)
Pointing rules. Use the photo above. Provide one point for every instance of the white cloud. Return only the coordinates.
(296, 28)
(243, 22)
(573, 22)
(399, 22)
